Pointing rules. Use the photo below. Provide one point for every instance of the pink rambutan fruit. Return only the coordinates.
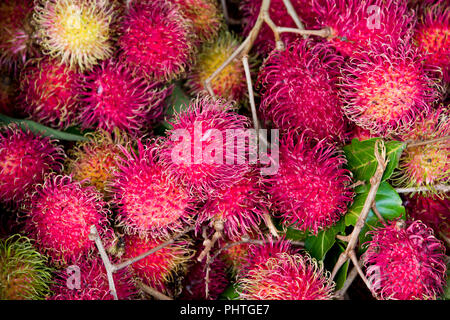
(240, 207)
(25, 159)
(356, 24)
(426, 164)
(230, 84)
(265, 41)
(60, 215)
(50, 93)
(431, 210)
(24, 274)
(114, 98)
(432, 35)
(159, 268)
(156, 40)
(93, 283)
(299, 90)
(385, 88)
(404, 261)
(194, 283)
(197, 150)
(283, 275)
(77, 32)
(310, 190)
(149, 200)
(93, 162)
(16, 33)
(205, 16)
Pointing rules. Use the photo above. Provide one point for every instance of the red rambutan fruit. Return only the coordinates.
(230, 84)
(159, 268)
(60, 216)
(194, 283)
(16, 33)
(240, 207)
(195, 152)
(286, 276)
(114, 98)
(77, 32)
(149, 201)
(23, 271)
(385, 88)
(25, 159)
(356, 24)
(205, 15)
(93, 283)
(50, 93)
(93, 162)
(361, 134)
(156, 40)
(432, 35)
(429, 163)
(299, 90)
(404, 261)
(431, 210)
(265, 41)
(310, 190)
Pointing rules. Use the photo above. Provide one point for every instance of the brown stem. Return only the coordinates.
(412, 144)
(209, 243)
(438, 187)
(348, 282)
(269, 223)
(153, 292)
(374, 184)
(324, 33)
(377, 213)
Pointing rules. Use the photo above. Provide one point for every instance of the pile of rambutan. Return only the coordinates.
(206, 149)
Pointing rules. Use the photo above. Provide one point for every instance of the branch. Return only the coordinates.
(209, 243)
(154, 293)
(375, 181)
(411, 144)
(438, 187)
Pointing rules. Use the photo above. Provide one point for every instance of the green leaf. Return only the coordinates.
(319, 245)
(38, 128)
(178, 102)
(388, 203)
(295, 235)
(231, 293)
(361, 159)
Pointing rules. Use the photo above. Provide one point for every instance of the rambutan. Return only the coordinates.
(94, 161)
(78, 32)
(194, 283)
(16, 33)
(431, 210)
(157, 269)
(265, 41)
(385, 88)
(205, 16)
(156, 40)
(286, 276)
(60, 216)
(310, 190)
(404, 261)
(114, 98)
(432, 35)
(230, 84)
(356, 24)
(93, 283)
(25, 159)
(50, 93)
(429, 163)
(149, 201)
(240, 207)
(195, 152)
(299, 90)
(23, 271)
